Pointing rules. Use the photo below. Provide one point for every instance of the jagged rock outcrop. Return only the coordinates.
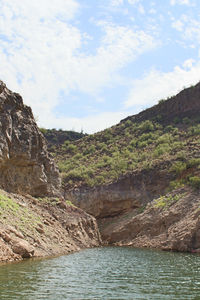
(25, 165)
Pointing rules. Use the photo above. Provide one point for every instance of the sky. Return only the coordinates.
(84, 65)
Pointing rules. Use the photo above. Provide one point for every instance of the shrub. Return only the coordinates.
(78, 156)
(128, 123)
(133, 142)
(193, 162)
(161, 149)
(142, 144)
(166, 201)
(102, 146)
(74, 175)
(177, 145)
(146, 126)
(168, 128)
(194, 130)
(166, 138)
(43, 130)
(71, 148)
(194, 181)
(69, 203)
(186, 121)
(178, 167)
(161, 101)
(145, 137)
(99, 179)
(65, 166)
(181, 155)
(176, 184)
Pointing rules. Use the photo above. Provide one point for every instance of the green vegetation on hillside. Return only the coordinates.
(58, 137)
(105, 156)
(20, 215)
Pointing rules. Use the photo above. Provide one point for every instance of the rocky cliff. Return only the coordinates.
(25, 165)
(32, 227)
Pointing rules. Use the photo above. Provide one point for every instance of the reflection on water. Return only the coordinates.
(104, 273)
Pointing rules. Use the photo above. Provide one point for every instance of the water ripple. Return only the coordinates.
(104, 273)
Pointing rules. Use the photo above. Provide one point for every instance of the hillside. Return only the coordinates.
(139, 173)
(35, 219)
(60, 137)
(167, 134)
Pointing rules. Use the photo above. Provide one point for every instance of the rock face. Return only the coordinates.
(25, 166)
(174, 226)
(44, 227)
(129, 192)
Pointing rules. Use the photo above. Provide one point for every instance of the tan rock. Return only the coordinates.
(23, 248)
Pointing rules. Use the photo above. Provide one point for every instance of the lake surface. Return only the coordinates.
(104, 273)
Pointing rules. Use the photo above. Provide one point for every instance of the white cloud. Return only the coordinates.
(35, 47)
(133, 1)
(141, 9)
(119, 46)
(180, 2)
(117, 2)
(89, 124)
(178, 25)
(158, 85)
(41, 53)
(189, 28)
(153, 11)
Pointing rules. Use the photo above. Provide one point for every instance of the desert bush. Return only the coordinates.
(166, 138)
(168, 128)
(181, 155)
(43, 130)
(71, 148)
(166, 201)
(161, 149)
(178, 167)
(142, 144)
(193, 162)
(194, 130)
(186, 121)
(194, 181)
(177, 145)
(146, 126)
(176, 184)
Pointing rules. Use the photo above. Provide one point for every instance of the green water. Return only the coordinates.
(104, 273)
